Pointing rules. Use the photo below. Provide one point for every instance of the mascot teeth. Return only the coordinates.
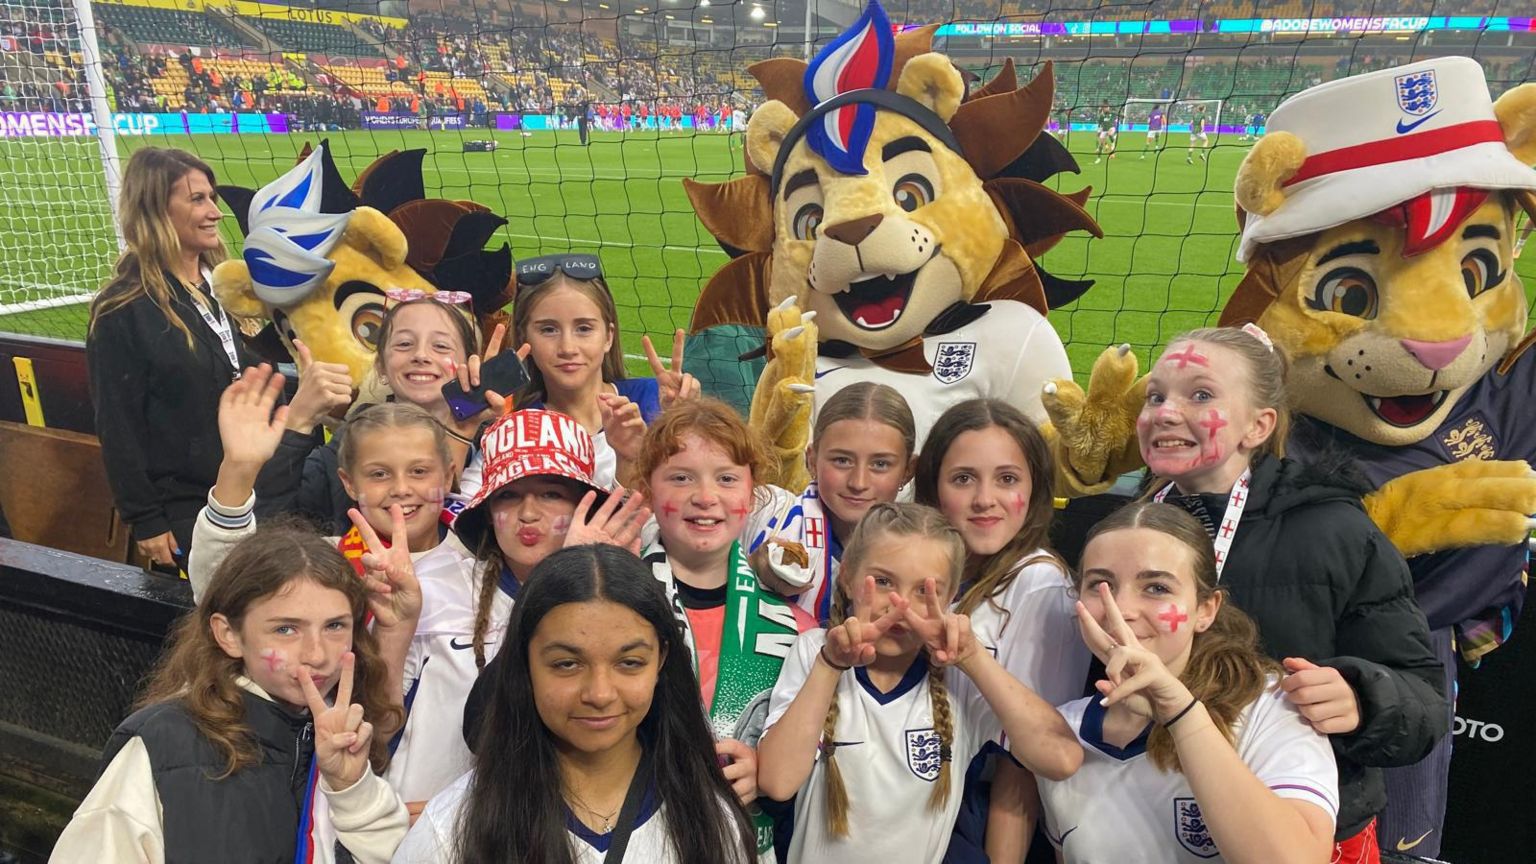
(1405, 411)
(877, 302)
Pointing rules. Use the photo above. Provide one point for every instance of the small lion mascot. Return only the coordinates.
(1378, 217)
(904, 216)
(320, 256)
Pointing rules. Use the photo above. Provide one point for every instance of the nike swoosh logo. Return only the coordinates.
(454, 644)
(1404, 130)
(1403, 845)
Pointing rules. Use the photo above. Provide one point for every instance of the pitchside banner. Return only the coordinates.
(50, 124)
(378, 120)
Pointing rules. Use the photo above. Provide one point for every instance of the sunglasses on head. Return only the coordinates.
(537, 271)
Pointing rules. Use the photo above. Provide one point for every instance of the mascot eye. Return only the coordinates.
(366, 323)
(807, 221)
(912, 191)
(1480, 271)
(1347, 291)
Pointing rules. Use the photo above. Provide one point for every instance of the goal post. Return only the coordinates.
(58, 155)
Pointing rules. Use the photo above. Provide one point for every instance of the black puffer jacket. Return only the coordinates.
(1326, 585)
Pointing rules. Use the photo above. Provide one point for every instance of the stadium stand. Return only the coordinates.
(151, 25)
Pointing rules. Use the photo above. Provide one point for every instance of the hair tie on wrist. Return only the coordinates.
(1168, 724)
(823, 655)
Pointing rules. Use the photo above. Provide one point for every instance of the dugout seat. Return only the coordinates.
(54, 492)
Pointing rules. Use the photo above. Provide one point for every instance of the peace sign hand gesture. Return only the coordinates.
(1136, 675)
(394, 593)
(675, 384)
(341, 735)
(613, 524)
(947, 635)
(852, 643)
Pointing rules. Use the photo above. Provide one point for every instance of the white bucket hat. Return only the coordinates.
(1376, 140)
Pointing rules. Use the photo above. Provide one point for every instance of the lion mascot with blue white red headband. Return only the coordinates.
(1378, 219)
(905, 216)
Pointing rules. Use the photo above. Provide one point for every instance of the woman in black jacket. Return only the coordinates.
(1331, 595)
(160, 350)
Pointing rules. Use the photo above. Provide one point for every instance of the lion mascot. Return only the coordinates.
(320, 256)
(887, 230)
(1379, 257)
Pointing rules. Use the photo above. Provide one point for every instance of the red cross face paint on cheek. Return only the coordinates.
(1171, 616)
(560, 524)
(273, 660)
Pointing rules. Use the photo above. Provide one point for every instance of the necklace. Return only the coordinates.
(606, 819)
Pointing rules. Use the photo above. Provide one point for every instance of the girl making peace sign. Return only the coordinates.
(876, 688)
(234, 754)
(1192, 751)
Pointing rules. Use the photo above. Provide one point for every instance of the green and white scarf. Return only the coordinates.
(759, 631)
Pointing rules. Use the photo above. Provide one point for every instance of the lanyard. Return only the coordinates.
(1222, 541)
(619, 840)
(219, 325)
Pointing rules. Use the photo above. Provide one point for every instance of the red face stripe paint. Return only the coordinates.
(1189, 355)
(273, 659)
(740, 510)
(1173, 616)
(669, 508)
(1214, 423)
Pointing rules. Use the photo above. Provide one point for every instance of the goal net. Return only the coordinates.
(599, 110)
(57, 163)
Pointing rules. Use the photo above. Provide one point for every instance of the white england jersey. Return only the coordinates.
(439, 672)
(1031, 628)
(889, 756)
(1118, 807)
(435, 835)
(1009, 354)
(799, 518)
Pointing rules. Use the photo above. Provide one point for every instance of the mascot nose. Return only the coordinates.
(853, 231)
(1436, 355)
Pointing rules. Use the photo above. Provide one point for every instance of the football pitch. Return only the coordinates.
(1164, 265)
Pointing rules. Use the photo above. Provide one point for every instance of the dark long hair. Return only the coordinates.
(514, 812)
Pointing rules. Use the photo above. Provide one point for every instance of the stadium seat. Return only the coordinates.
(54, 492)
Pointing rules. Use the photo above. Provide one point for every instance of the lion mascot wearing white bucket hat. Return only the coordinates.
(1378, 219)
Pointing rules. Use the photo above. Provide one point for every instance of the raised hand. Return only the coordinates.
(785, 393)
(947, 635)
(852, 643)
(1136, 675)
(1093, 433)
(468, 375)
(614, 523)
(623, 427)
(341, 735)
(394, 593)
(1322, 696)
(250, 423)
(323, 387)
(674, 384)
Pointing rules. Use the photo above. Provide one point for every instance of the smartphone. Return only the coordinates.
(504, 374)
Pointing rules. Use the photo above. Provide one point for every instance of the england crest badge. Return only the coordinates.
(1190, 828)
(1417, 93)
(924, 754)
(953, 360)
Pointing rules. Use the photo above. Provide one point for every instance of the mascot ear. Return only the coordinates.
(935, 82)
(766, 130)
(371, 231)
(1261, 178)
(233, 289)
(1516, 111)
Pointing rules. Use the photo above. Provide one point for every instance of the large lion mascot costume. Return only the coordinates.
(1378, 216)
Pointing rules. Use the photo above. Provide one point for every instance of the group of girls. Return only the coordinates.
(628, 686)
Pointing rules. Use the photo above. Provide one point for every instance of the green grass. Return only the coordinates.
(1164, 265)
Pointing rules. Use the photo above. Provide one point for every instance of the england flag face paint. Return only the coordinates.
(1199, 408)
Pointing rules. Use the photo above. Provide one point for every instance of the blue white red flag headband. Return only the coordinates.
(858, 59)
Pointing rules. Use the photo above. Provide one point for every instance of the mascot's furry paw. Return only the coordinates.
(1093, 434)
(781, 405)
(1472, 503)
